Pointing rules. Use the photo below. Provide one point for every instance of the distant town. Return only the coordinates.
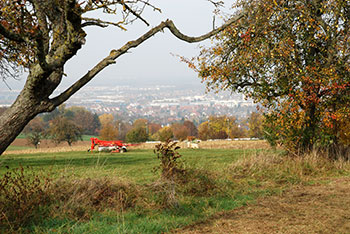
(163, 104)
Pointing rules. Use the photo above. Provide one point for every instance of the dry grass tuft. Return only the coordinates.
(167, 193)
(200, 183)
(281, 169)
(79, 198)
(164, 194)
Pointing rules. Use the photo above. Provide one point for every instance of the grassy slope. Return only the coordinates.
(251, 177)
(134, 166)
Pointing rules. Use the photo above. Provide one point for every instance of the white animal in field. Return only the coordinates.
(192, 145)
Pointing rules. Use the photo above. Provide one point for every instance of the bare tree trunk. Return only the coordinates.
(14, 119)
(30, 102)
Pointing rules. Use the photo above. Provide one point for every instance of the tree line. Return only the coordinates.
(69, 124)
(217, 127)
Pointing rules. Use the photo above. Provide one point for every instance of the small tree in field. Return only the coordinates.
(203, 131)
(137, 135)
(193, 131)
(180, 131)
(169, 159)
(108, 129)
(62, 129)
(35, 131)
(165, 134)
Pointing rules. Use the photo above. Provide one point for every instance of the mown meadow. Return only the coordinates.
(81, 192)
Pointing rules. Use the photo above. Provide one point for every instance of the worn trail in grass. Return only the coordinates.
(318, 208)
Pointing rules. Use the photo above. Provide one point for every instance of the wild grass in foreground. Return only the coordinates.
(106, 193)
(277, 170)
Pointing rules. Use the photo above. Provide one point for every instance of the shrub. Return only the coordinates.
(176, 179)
(169, 165)
(22, 197)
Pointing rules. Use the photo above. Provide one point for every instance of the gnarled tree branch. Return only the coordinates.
(11, 35)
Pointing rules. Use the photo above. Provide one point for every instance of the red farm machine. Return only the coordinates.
(108, 146)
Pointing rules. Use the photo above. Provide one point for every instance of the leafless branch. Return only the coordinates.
(101, 23)
(8, 70)
(217, 3)
(152, 6)
(135, 14)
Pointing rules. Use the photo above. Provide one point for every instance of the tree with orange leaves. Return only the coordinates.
(293, 57)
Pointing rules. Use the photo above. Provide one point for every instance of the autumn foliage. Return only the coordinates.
(292, 57)
(108, 128)
(221, 127)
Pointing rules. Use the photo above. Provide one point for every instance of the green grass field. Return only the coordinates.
(224, 179)
(136, 165)
(15, 147)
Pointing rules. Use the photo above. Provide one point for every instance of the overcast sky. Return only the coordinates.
(152, 61)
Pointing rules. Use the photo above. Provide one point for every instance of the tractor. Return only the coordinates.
(108, 146)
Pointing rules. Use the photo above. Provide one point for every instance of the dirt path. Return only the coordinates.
(321, 208)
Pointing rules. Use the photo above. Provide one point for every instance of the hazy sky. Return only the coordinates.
(152, 61)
